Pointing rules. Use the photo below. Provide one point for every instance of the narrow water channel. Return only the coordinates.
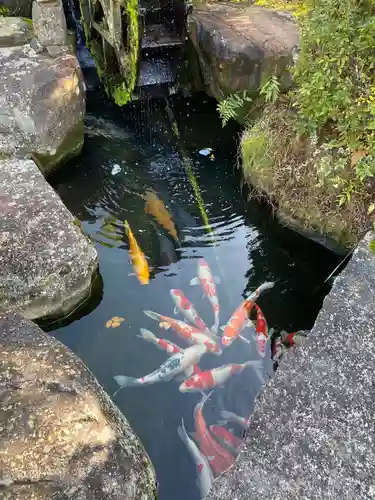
(126, 153)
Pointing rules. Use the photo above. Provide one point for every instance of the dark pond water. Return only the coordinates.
(250, 249)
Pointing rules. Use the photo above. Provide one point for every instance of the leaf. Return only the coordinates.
(114, 322)
(357, 155)
(371, 208)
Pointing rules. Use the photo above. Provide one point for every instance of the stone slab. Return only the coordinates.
(311, 436)
(49, 22)
(238, 47)
(42, 105)
(46, 263)
(61, 435)
(14, 31)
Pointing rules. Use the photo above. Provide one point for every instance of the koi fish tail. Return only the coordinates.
(148, 336)
(258, 368)
(183, 434)
(126, 225)
(204, 399)
(153, 315)
(124, 381)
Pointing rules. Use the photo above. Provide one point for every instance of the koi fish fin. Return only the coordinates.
(148, 336)
(123, 381)
(153, 315)
(216, 279)
(258, 368)
(181, 378)
(193, 435)
(189, 371)
(175, 310)
(222, 328)
(271, 331)
(266, 286)
(222, 422)
(210, 457)
(244, 339)
(195, 281)
(227, 415)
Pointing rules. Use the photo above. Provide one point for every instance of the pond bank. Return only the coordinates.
(310, 435)
(61, 434)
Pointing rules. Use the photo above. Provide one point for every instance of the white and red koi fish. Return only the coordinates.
(286, 341)
(163, 344)
(187, 332)
(167, 346)
(219, 458)
(240, 317)
(229, 416)
(183, 304)
(204, 472)
(215, 377)
(175, 365)
(226, 438)
(207, 282)
(261, 330)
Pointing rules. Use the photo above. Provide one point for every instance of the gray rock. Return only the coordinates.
(46, 264)
(49, 22)
(239, 47)
(311, 435)
(14, 31)
(61, 436)
(42, 105)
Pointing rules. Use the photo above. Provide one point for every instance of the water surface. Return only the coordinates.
(250, 248)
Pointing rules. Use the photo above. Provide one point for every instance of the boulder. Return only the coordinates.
(61, 435)
(14, 31)
(240, 47)
(46, 263)
(311, 435)
(42, 105)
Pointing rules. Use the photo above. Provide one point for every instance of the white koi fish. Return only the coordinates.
(173, 366)
(204, 472)
(229, 416)
(207, 282)
(189, 333)
(169, 347)
(216, 377)
(183, 304)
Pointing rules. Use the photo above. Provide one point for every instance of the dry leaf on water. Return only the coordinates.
(114, 322)
(165, 325)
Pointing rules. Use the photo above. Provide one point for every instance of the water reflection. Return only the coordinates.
(248, 249)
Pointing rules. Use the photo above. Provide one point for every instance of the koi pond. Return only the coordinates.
(135, 168)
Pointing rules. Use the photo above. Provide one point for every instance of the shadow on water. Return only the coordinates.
(127, 152)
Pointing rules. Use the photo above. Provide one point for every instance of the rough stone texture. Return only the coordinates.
(14, 31)
(238, 47)
(46, 264)
(61, 436)
(49, 22)
(312, 432)
(42, 104)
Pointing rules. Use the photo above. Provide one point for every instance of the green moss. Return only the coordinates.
(296, 7)
(4, 11)
(371, 246)
(27, 20)
(287, 170)
(78, 223)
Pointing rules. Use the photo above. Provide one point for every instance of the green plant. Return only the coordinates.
(270, 90)
(229, 107)
(4, 11)
(335, 78)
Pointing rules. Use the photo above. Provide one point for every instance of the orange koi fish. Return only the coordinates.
(137, 257)
(219, 458)
(156, 207)
(240, 317)
(261, 332)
